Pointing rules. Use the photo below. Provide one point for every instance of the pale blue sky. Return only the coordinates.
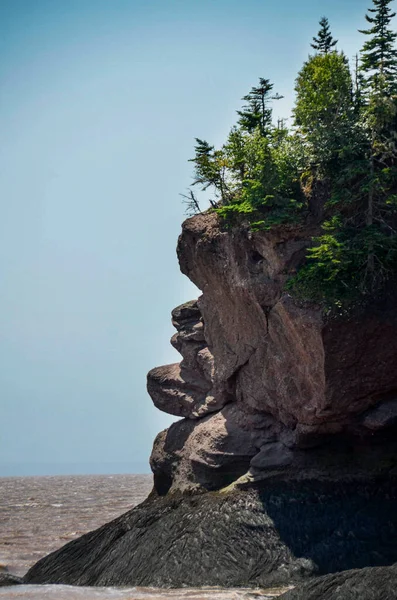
(100, 102)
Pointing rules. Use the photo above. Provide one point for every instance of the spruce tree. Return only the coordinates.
(379, 54)
(359, 85)
(324, 43)
(379, 68)
(257, 111)
(341, 159)
(210, 169)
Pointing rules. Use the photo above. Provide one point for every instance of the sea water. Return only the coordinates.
(40, 514)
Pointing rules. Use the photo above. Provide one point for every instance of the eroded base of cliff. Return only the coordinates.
(268, 534)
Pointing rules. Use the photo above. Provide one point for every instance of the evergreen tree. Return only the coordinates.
(210, 168)
(324, 43)
(358, 91)
(341, 157)
(257, 112)
(379, 68)
(379, 55)
(324, 107)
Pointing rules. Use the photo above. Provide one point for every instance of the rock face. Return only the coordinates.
(284, 462)
(264, 381)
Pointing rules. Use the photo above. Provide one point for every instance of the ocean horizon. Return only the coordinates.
(53, 469)
(39, 514)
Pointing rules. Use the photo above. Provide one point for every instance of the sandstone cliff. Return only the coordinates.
(283, 464)
(265, 385)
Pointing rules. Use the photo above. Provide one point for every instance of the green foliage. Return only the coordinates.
(324, 110)
(344, 141)
(325, 276)
(379, 55)
(273, 211)
(255, 174)
(210, 167)
(257, 113)
(324, 43)
(336, 270)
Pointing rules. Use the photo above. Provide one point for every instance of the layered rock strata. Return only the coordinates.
(261, 537)
(283, 464)
(265, 383)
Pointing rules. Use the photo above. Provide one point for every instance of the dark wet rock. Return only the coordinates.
(382, 416)
(364, 584)
(7, 579)
(271, 456)
(264, 536)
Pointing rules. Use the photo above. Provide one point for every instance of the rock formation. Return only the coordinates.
(7, 580)
(264, 536)
(284, 463)
(264, 381)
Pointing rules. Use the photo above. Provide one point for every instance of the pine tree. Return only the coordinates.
(324, 43)
(341, 156)
(359, 84)
(257, 111)
(210, 168)
(379, 68)
(379, 55)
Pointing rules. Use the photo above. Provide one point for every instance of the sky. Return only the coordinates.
(100, 102)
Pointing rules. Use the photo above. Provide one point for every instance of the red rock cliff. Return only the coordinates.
(266, 384)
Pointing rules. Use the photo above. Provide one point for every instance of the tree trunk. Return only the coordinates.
(370, 216)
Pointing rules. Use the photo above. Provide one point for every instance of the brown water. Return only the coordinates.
(40, 514)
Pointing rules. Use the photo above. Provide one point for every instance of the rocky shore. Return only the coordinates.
(283, 465)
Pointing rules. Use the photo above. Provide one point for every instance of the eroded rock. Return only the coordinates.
(180, 392)
(272, 456)
(268, 535)
(207, 454)
(283, 358)
(284, 463)
(246, 341)
(187, 389)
